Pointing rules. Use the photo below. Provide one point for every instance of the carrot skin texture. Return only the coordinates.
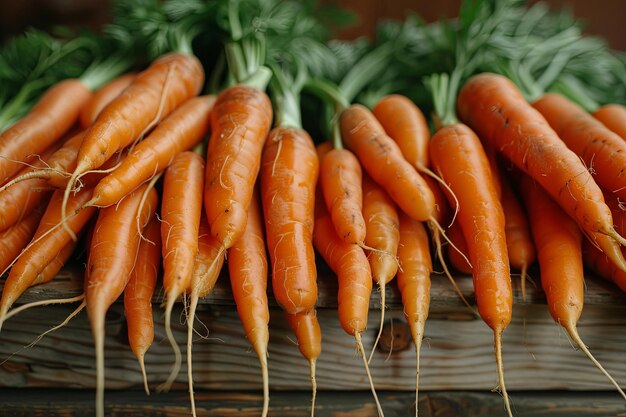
(382, 159)
(240, 122)
(458, 262)
(613, 116)
(181, 130)
(53, 115)
(140, 289)
(51, 270)
(16, 237)
(248, 272)
(602, 150)
(350, 264)
(458, 156)
(518, 236)
(307, 330)
(102, 97)
(289, 172)
(493, 106)
(341, 178)
(154, 93)
(405, 123)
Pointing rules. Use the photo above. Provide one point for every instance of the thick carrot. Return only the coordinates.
(138, 294)
(288, 176)
(102, 97)
(383, 234)
(48, 241)
(53, 115)
(414, 282)
(309, 335)
(354, 276)
(558, 241)
(208, 264)
(382, 159)
(240, 122)
(458, 157)
(181, 210)
(248, 270)
(16, 237)
(52, 269)
(613, 116)
(112, 256)
(458, 261)
(495, 108)
(602, 150)
(340, 179)
(181, 130)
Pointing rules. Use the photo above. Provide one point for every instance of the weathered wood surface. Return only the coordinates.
(40, 403)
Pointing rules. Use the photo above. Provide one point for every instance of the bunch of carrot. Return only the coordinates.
(157, 178)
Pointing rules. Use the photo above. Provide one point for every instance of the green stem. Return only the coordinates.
(286, 100)
(214, 83)
(570, 89)
(102, 72)
(335, 104)
(365, 71)
(20, 103)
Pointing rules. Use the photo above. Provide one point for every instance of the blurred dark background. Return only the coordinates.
(604, 17)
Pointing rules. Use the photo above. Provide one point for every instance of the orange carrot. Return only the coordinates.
(613, 116)
(102, 97)
(602, 150)
(16, 237)
(240, 122)
(493, 105)
(180, 131)
(383, 234)
(181, 209)
(52, 269)
(458, 157)
(414, 282)
(289, 172)
(458, 262)
(309, 335)
(383, 161)
(558, 241)
(112, 256)
(53, 115)
(138, 294)
(247, 267)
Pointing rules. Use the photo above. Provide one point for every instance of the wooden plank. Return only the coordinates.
(51, 402)
(457, 353)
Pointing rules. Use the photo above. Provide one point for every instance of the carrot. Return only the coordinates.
(612, 116)
(53, 115)
(48, 241)
(248, 270)
(558, 241)
(519, 241)
(52, 269)
(181, 130)
(602, 150)
(181, 209)
(112, 256)
(354, 276)
(288, 175)
(16, 237)
(208, 264)
(138, 294)
(493, 105)
(240, 122)
(382, 225)
(458, 157)
(414, 282)
(458, 262)
(309, 335)
(341, 178)
(383, 161)
(102, 97)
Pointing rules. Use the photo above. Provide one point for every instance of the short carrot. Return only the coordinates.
(248, 272)
(289, 172)
(180, 131)
(53, 115)
(181, 209)
(612, 116)
(112, 256)
(602, 150)
(414, 282)
(382, 159)
(102, 97)
(139, 291)
(458, 157)
(240, 122)
(495, 108)
(558, 241)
